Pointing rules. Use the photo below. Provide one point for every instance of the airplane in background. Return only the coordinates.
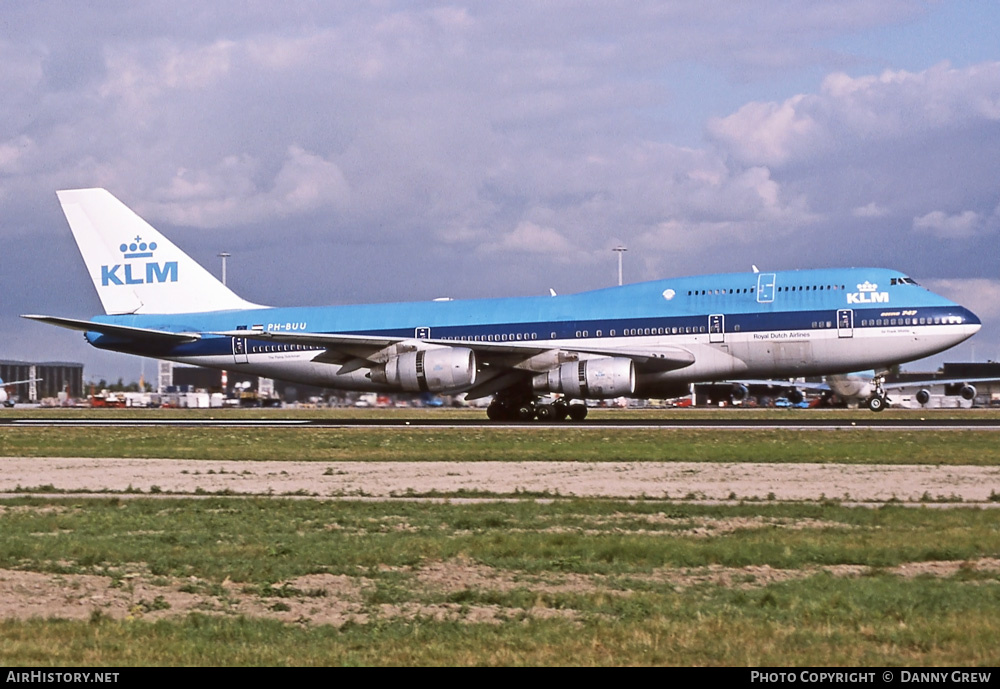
(649, 339)
(856, 388)
(5, 396)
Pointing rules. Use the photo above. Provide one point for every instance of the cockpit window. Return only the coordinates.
(903, 281)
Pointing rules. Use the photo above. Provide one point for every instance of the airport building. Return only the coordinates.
(56, 377)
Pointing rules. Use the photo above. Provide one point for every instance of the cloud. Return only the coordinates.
(12, 152)
(871, 210)
(530, 238)
(957, 226)
(980, 295)
(226, 196)
(500, 147)
(852, 112)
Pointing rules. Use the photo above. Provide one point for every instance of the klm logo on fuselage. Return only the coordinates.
(138, 273)
(867, 294)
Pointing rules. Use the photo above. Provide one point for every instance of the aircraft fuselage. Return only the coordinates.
(742, 325)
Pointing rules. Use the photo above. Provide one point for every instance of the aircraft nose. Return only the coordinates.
(971, 320)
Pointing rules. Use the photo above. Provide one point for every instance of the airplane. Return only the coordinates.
(856, 388)
(4, 396)
(648, 339)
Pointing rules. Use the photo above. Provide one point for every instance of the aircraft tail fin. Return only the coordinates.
(136, 269)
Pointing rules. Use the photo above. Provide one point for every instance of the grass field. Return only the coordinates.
(218, 581)
(575, 442)
(567, 582)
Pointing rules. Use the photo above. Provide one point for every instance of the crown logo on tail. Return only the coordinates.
(138, 248)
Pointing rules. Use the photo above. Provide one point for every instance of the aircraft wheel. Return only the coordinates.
(545, 412)
(877, 404)
(495, 412)
(561, 410)
(526, 412)
(578, 412)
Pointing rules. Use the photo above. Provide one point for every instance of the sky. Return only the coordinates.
(349, 152)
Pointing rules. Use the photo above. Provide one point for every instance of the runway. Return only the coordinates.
(868, 422)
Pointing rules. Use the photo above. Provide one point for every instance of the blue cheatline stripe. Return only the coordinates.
(740, 323)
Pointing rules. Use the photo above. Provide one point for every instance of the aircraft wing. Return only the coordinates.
(122, 331)
(526, 356)
(780, 383)
(937, 381)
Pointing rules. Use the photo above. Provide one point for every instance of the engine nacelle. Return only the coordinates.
(968, 392)
(740, 392)
(429, 370)
(590, 378)
(923, 396)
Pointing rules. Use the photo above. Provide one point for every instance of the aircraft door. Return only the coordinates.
(845, 323)
(717, 328)
(240, 350)
(765, 288)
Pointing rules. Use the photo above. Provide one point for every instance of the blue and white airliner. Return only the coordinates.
(650, 339)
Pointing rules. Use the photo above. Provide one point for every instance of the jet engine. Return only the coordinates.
(740, 392)
(429, 370)
(966, 391)
(923, 396)
(590, 378)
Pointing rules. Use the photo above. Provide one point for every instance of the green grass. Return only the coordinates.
(630, 613)
(628, 610)
(819, 622)
(572, 443)
(260, 541)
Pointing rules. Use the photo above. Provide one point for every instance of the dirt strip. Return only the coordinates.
(677, 480)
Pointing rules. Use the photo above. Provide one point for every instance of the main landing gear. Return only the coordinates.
(878, 400)
(509, 408)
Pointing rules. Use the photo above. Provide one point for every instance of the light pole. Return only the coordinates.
(224, 255)
(224, 378)
(620, 250)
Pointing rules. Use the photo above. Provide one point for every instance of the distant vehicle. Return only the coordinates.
(105, 399)
(785, 403)
(650, 339)
(431, 400)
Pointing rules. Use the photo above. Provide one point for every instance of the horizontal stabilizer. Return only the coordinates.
(122, 331)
